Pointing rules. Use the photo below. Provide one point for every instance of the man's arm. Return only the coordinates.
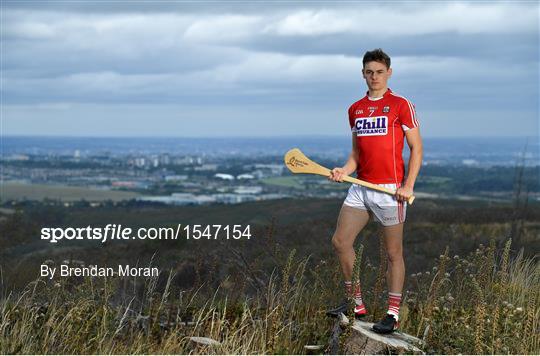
(350, 166)
(414, 140)
(352, 163)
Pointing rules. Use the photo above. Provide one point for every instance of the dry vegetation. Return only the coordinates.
(486, 302)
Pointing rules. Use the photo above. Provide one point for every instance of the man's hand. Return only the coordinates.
(404, 193)
(337, 174)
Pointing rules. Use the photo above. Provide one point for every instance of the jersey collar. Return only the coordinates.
(385, 95)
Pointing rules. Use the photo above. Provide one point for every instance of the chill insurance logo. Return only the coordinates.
(371, 126)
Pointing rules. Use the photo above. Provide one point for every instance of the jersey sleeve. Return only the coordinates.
(351, 118)
(407, 115)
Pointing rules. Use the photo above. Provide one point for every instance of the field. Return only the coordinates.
(23, 191)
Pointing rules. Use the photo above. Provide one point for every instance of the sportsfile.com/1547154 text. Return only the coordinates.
(118, 232)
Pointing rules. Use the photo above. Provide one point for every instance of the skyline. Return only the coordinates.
(177, 69)
(292, 135)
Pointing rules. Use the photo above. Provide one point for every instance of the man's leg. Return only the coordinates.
(391, 214)
(350, 222)
(393, 240)
(395, 275)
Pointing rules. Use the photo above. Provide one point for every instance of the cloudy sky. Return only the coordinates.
(176, 68)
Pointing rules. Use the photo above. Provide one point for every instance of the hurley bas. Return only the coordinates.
(96, 271)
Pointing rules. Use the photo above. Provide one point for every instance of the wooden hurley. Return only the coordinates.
(297, 162)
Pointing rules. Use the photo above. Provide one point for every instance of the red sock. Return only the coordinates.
(348, 288)
(394, 299)
(360, 308)
(358, 294)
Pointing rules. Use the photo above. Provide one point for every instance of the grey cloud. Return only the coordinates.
(234, 55)
(201, 7)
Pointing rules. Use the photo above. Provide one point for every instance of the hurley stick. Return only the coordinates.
(297, 162)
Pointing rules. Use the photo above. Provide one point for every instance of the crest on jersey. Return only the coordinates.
(386, 109)
(371, 126)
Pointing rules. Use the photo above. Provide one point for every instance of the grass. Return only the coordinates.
(486, 302)
(24, 191)
(434, 179)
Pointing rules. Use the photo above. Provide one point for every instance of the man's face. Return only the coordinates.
(376, 75)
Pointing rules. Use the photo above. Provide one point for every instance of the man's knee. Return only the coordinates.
(340, 243)
(395, 255)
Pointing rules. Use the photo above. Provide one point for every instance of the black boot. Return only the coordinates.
(387, 325)
(343, 307)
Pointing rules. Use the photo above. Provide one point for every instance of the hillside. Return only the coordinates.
(306, 225)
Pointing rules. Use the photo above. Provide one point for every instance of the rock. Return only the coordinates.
(204, 345)
(206, 341)
(343, 320)
(363, 340)
(312, 349)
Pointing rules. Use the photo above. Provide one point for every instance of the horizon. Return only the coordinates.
(536, 137)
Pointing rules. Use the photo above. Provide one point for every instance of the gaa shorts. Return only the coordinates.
(386, 209)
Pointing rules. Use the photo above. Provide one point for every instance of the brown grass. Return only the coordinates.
(460, 306)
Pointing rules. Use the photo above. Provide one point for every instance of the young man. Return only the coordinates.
(379, 123)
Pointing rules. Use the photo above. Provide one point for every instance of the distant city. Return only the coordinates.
(194, 171)
(480, 150)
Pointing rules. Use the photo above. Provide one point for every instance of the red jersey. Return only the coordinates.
(380, 126)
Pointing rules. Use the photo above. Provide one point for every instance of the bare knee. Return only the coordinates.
(340, 243)
(395, 255)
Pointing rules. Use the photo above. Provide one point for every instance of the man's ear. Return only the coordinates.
(389, 72)
(363, 74)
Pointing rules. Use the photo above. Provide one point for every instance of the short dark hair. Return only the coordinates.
(376, 55)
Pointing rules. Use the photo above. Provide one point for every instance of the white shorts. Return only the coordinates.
(386, 209)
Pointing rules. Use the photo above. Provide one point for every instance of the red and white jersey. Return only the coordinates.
(380, 126)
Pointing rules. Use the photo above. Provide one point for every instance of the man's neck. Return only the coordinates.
(377, 93)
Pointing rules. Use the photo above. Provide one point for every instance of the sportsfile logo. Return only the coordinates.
(371, 126)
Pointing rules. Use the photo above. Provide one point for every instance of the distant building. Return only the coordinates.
(267, 170)
(206, 167)
(248, 190)
(233, 198)
(245, 176)
(183, 160)
(183, 195)
(180, 199)
(17, 157)
(140, 161)
(469, 162)
(224, 176)
(224, 198)
(174, 199)
(270, 169)
(165, 159)
(258, 174)
(175, 177)
(205, 199)
(228, 198)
